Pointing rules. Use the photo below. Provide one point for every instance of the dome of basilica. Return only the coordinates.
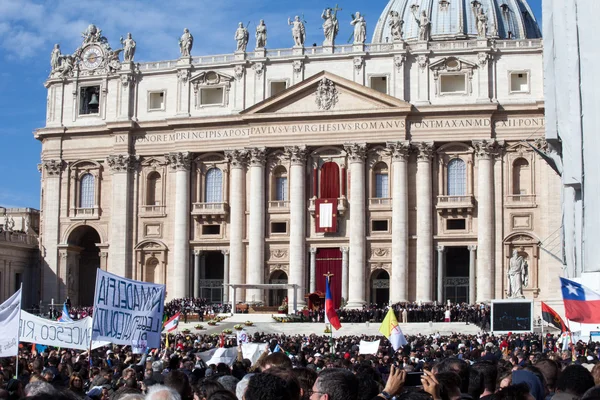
(457, 19)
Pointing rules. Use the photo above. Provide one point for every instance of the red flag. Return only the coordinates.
(222, 340)
(330, 313)
(552, 317)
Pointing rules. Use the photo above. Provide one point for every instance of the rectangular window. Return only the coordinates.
(89, 100)
(456, 224)
(278, 87)
(453, 84)
(379, 225)
(156, 101)
(211, 96)
(278, 227)
(519, 82)
(211, 229)
(379, 83)
(281, 188)
(381, 186)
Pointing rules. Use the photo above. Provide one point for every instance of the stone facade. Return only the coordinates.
(208, 170)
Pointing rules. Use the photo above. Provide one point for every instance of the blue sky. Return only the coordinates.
(29, 29)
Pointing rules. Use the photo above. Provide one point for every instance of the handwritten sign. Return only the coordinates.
(127, 312)
(69, 335)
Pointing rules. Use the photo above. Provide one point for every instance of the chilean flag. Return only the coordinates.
(330, 314)
(581, 304)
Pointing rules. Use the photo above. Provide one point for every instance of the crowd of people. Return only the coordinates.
(458, 366)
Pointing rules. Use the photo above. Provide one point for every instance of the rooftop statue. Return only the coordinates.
(298, 31)
(424, 26)
(241, 36)
(55, 58)
(481, 23)
(185, 43)
(331, 26)
(396, 24)
(261, 35)
(360, 28)
(93, 35)
(128, 48)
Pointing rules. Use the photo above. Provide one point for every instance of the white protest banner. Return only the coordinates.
(68, 335)
(206, 355)
(242, 337)
(223, 355)
(368, 347)
(252, 351)
(127, 311)
(9, 320)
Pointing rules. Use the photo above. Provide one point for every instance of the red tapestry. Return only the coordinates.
(326, 215)
(330, 261)
(330, 181)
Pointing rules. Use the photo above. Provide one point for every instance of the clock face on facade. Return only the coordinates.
(92, 57)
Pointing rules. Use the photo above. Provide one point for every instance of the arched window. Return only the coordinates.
(281, 184)
(213, 191)
(87, 191)
(382, 187)
(153, 189)
(521, 177)
(457, 178)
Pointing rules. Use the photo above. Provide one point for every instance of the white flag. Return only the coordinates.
(10, 312)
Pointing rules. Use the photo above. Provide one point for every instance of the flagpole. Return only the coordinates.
(19, 332)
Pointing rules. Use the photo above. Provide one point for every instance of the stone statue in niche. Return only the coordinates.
(261, 35)
(128, 48)
(396, 24)
(331, 26)
(185, 43)
(241, 37)
(482, 25)
(360, 28)
(298, 31)
(518, 276)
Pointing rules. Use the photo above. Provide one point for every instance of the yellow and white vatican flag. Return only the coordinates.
(10, 314)
(390, 329)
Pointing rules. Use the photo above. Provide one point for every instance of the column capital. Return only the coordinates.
(398, 150)
(424, 151)
(313, 250)
(52, 167)
(344, 249)
(296, 154)
(197, 252)
(236, 158)
(121, 162)
(487, 148)
(181, 161)
(257, 155)
(225, 252)
(441, 248)
(472, 247)
(356, 152)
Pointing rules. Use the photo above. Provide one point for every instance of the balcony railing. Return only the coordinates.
(85, 213)
(18, 237)
(210, 210)
(520, 200)
(455, 203)
(380, 202)
(342, 205)
(279, 205)
(152, 210)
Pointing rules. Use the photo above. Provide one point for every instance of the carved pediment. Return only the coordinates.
(452, 64)
(326, 92)
(211, 78)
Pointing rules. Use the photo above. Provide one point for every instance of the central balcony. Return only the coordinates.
(210, 210)
(451, 204)
(342, 205)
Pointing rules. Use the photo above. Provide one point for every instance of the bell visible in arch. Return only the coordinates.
(94, 100)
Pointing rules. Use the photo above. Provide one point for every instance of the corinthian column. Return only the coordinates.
(485, 151)
(237, 208)
(256, 230)
(399, 278)
(225, 276)
(119, 261)
(180, 268)
(297, 155)
(424, 223)
(357, 263)
(51, 171)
